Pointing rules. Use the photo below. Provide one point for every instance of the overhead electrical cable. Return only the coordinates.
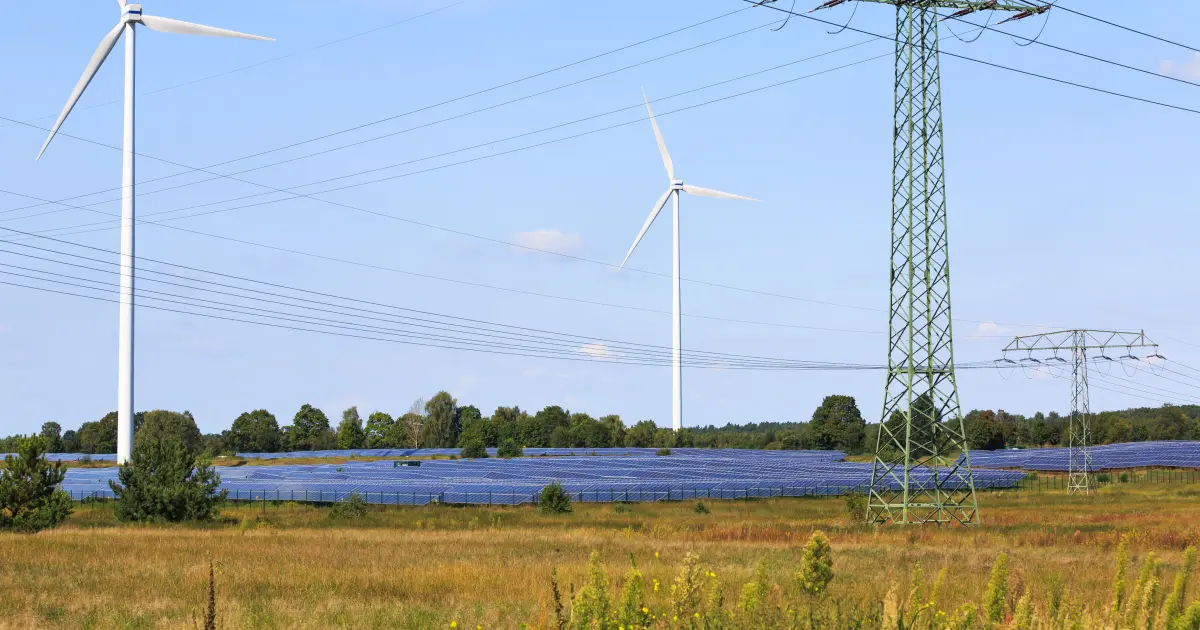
(991, 64)
(271, 60)
(359, 126)
(1060, 7)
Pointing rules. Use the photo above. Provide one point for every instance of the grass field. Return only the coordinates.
(415, 567)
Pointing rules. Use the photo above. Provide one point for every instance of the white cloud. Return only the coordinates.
(549, 240)
(596, 350)
(991, 328)
(1189, 69)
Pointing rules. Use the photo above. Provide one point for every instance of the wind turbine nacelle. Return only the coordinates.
(676, 184)
(133, 13)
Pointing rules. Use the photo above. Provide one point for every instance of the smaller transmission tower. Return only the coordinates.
(1046, 350)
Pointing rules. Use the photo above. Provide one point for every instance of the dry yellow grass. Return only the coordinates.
(415, 567)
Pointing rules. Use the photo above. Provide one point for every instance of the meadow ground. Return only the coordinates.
(291, 566)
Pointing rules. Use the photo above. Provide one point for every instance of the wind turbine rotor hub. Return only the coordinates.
(676, 184)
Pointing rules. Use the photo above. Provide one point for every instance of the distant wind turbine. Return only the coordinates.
(131, 15)
(677, 186)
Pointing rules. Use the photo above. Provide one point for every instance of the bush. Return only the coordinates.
(816, 567)
(554, 500)
(510, 448)
(351, 508)
(856, 507)
(1103, 478)
(700, 508)
(30, 499)
(164, 483)
(1124, 477)
(663, 451)
(474, 449)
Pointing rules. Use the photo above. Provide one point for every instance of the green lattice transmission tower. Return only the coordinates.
(918, 476)
(1045, 350)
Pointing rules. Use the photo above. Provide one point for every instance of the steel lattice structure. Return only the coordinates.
(921, 425)
(1045, 349)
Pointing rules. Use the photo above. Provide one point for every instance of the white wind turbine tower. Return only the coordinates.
(131, 16)
(677, 186)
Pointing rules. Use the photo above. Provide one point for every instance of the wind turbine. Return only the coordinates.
(677, 187)
(131, 16)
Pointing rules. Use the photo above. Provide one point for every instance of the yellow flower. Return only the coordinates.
(645, 610)
(655, 586)
(453, 624)
(696, 615)
(656, 554)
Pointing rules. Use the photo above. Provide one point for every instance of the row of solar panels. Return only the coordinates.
(695, 473)
(1173, 454)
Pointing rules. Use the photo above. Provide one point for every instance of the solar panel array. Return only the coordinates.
(1106, 457)
(686, 474)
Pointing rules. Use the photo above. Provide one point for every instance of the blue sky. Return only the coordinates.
(1067, 208)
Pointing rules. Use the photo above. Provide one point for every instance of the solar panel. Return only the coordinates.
(1173, 454)
(624, 474)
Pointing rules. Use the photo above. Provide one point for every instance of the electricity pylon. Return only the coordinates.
(1077, 342)
(917, 476)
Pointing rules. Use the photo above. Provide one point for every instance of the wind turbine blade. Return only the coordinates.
(122, 3)
(167, 25)
(105, 47)
(658, 206)
(662, 146)
(708, 192)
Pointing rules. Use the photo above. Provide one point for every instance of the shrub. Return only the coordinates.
(663, 451)
(995, 600)
(510, 448)
(856, 507)
(351, 508)
(1124, 478)
(474, 449)
(592, 604)
(816, 567)
(554, 500)
(700, 508)
(86, 460)
(164, 483)
(30, 499)
(1103, 478)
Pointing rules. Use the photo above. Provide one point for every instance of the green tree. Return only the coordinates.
(70, 442)
(52, 434)
(158, 424)
(616, 429)
(100, 436)
(30, 499)
(641, 435)
(309, 430)
(505, 423)
(545, 422)
(255, 432)
(441, 428)
(350, 431)
(510, 448)
(475, 427)
(166, 483)
(379, 431)
(473, 448)
(836, 424)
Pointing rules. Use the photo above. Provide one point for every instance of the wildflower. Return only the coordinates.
(656, 555)
(453, 624)
(645, 610)
(655, 586)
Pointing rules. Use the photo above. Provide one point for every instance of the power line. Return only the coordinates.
(470, 322)
(1126, 28)
(190, 169)
(264, 62)
(989, 63)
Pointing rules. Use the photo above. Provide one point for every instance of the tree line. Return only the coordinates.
(441, 422)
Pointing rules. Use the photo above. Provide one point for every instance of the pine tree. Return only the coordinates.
(30, 499)
(164, 483)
